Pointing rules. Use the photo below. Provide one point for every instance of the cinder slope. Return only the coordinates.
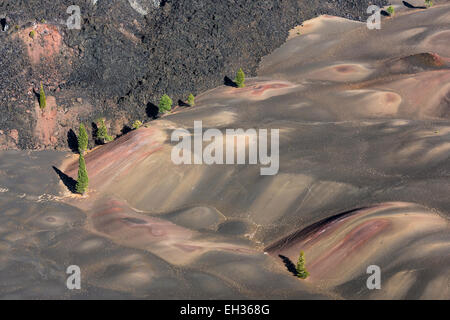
(363, 119)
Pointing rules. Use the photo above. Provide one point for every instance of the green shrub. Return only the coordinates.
(42, 99)
(83, 179)
(32, 34)
(429, 3)
(165, 104)
(191, 100)
(136, 125)
(83, 139)
(301, 270)
(102, 132)
(240, 78)
(390, 10)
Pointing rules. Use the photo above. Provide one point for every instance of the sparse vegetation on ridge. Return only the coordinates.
(136, 125)
(191, 100)
(42, 99)
(83, 179)
(102, 132)
(165, 104)
(240, 79)
(390, 10)
(301, 269)
(83, 139)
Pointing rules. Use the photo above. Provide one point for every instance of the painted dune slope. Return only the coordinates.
(364, 131)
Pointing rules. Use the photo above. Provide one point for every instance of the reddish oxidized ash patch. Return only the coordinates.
(46, 42)
(348, 246)
(346, 69)
(121, 223)
(46, 122)
(259, 90)
(117, 158)
(114, 217)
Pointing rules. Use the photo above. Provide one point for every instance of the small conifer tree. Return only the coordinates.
(83, 139)
(102, 132)
(191, 100)
(42, 99)
(301, 270)
(83, 180)
(136, 125)
(165, 104)
(240, 79)
(390, 10)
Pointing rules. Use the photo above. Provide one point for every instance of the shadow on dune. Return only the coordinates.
(3, 24)
(228, 82)
(72, 141)
(94, 131)
(181, 103)
(69, 182)
(152, 110)
(126, 129)
(411, 6)
(37, 94)
(289, 265)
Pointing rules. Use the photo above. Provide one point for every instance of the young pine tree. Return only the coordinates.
(165, 104)
(191, 100)
(42, 100)
(102, 132)
(136, 125)
(390, 10)
(83, 139)
(83, 180)
(240, 78)
(301, 270)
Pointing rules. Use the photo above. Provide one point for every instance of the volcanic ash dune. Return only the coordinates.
(363, 120)
(403, 238)
(176, 244)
